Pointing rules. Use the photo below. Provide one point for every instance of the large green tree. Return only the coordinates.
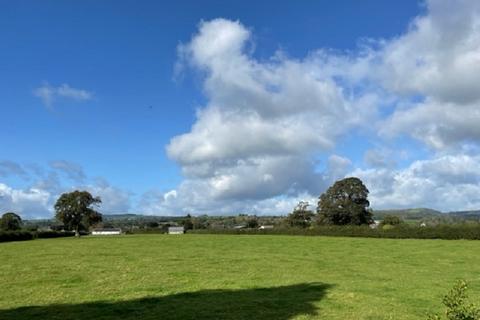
(345, 203)
(76, 210)
(10, 221)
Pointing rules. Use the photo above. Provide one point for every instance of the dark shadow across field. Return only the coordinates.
(277, 303)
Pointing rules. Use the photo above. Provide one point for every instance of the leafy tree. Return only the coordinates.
(200, 222)
(252, 222)
(152, 224)
(345, 203)
(301, 216)
(10, 221)
(187, 223)
(391, 220)
(75, 210)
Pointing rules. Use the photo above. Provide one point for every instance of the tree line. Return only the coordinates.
(344, 205)
(345, 202)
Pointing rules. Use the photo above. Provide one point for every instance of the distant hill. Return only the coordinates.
(466, 214)
(124, 217)
(426, 213)
(138, 217)
(410, 214)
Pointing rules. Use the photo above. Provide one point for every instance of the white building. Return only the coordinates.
(176, 230)
(106, 231)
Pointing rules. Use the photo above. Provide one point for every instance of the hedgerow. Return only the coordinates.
(448, 232)
(6, 236)
(54, 234)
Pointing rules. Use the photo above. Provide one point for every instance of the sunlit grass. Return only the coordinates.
(355, 278)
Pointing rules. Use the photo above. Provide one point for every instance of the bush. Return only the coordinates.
(387, 227)
(457, 306)
(6, 236)
(390, 220)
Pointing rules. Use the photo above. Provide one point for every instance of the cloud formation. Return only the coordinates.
(34, 195)
(269, 132)
(49, 94)
(445, 183)
(32, 201)
(267, 123)
(438, 60)
(73, 170)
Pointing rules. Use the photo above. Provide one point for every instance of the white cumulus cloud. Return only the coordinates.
(266, 123)
(30, 202)
(445, 183)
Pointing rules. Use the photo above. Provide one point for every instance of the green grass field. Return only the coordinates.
(231, 277)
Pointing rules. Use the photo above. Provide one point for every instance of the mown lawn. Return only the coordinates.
(231, 277)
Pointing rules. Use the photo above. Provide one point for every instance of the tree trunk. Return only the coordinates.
(77, 233)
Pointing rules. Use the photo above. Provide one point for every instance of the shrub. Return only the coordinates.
(390, 220)
(458, 308)
(387, 227)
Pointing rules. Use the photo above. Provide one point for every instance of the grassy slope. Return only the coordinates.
(234, 277)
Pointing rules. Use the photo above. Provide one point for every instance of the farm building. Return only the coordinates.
(106, 231)
(265, 227)
(176, 230)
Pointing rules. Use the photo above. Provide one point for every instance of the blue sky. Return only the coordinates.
(241, 107)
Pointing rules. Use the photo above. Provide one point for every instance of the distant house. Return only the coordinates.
(239, 227)
(265, 227)
(176, 230)
(106, 231)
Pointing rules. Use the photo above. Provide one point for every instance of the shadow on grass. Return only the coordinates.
(262, 303)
